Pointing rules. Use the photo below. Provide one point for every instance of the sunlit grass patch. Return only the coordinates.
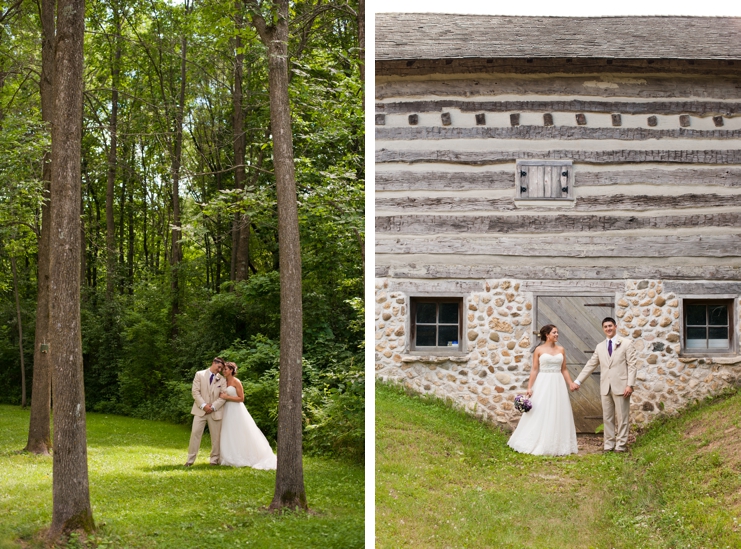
(444, 479)
(143, 497)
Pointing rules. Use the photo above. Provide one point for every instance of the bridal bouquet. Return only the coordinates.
(523, 404)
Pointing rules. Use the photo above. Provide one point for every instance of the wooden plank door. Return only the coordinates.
(579, 323)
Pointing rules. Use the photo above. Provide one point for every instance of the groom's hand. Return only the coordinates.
(628, 391)
(208, 408)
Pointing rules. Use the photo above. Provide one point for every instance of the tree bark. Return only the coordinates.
(20, 329)
(112, 163)
(39, 431)
(238, 135)
(71, 495)
(175, 171)
(361, 45)
(289, 481)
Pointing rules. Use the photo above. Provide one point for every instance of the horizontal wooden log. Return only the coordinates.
(535, 65)
(405, 180)
(726, 177)
(533, 271)
(436, 287)
(571, 286)
(481, 158)
(644, 87)
(702, 288)
(453, 181)
(494, 224)
(728, 245)
(697, 108)
(568, 133)
(585, 203)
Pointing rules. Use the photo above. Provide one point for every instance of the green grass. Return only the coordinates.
(142, 496)
(444, 479)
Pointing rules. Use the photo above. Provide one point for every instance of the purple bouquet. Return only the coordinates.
(523, 404)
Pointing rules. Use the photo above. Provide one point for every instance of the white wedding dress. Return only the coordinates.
(242, 442)
(548, 428)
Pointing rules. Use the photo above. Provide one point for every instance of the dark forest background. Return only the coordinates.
(154, 69)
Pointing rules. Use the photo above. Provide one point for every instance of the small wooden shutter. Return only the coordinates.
(546, 179)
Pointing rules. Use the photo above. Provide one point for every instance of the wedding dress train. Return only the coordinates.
(242, 442)
(548, 429)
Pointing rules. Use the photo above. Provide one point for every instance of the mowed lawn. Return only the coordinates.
(446, 480)
(143, 497)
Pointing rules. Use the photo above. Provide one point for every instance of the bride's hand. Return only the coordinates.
(529, 393)
(223, 395)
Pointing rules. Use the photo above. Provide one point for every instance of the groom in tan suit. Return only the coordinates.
(207, 386)
(617, 360)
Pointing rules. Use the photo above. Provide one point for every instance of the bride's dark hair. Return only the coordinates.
(232, 367)
(545, 330)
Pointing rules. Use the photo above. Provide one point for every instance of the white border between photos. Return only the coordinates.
(370, 275)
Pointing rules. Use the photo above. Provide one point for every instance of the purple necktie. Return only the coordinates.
(210, 380)
(609, 347)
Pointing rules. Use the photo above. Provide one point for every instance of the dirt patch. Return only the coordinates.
(593, 444)
(719, 432)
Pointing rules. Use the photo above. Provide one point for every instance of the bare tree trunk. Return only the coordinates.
(361, 44)
(71, 494)
(20, 329)
(289, 481)
(240, 231)
(39, 432)
(112, 164)
(176, 161)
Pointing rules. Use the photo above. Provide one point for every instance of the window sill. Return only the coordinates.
(435, 357)
(727, 358)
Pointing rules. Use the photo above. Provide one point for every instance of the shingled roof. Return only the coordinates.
(401, 36)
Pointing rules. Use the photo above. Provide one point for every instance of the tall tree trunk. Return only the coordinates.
(20, 329)
(39, 432)
(176, 160)
(130, 249)
(361, 45)
(112, 164)
(71, 494)
(289, 480)
(240, 225)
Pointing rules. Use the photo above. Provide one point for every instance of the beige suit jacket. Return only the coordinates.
(617, 371)
(208, 393)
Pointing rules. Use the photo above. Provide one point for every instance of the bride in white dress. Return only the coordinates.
(548, 428)
(242, 442)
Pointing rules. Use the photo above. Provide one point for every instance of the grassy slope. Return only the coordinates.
(142, 497)
(446, 480)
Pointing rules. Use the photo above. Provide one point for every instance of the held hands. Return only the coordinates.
(574, 386)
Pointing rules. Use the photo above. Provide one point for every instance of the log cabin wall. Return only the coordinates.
(519, 158)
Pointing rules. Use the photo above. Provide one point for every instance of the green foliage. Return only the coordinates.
(139, 358)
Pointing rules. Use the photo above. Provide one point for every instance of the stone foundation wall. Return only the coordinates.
(499, 327)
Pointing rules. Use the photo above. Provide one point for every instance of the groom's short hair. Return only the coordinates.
(219, 360)
(609, 319)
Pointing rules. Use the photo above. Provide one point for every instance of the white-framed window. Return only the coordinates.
(708, 325)
(545, 179)
(436, 324)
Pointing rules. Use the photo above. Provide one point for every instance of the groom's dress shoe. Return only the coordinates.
(621, 450)
(188, 465)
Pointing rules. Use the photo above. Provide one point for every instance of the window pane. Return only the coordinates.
(426, 313)
(718, 315)
(719, 334)
(425, 336)
(448, 313)
(696, 315)
(447, 335)
(694, 334)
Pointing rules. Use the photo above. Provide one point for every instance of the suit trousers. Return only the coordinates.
(214, 427)
(616, 407)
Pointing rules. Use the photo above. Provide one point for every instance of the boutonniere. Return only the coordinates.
(618, 342)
